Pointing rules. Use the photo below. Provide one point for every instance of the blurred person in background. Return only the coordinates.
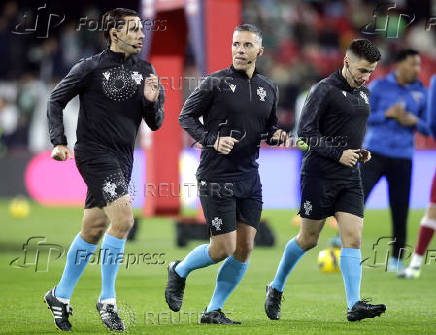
(428, 222)
(398, 106)
(8, 124)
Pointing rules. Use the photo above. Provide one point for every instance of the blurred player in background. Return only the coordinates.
(238, 106)
(333, 124)
(117, 90)
(398, 107)
(428, 222)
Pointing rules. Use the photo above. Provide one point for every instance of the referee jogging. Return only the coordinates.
(333, 124)
(117, 91)
(238, 106)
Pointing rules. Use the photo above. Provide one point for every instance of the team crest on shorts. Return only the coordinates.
(115, 186)
(110, 189)
(261, 93)
(217, 223)
(307, 207)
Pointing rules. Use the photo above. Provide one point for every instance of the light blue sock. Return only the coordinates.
(112, 250)
(77, 257)
(196, 259)
(291, 256)
(229, 276)
(349, 262)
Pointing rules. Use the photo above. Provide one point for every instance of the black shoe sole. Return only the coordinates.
(110, 329)
(219, 323)
(373, 315)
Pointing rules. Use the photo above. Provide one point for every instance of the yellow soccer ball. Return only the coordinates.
(328, 260)
(19, 208)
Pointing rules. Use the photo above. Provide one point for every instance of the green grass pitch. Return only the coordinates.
(314, 302)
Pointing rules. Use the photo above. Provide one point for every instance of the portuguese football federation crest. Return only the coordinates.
(137, 77)
(261, 93)
(217, 222)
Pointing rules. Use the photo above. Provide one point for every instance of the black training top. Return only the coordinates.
(112, 103)
(231, 104)
(333, 120)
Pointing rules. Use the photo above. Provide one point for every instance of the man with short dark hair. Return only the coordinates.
(332, 125)
(117, 90)
(398, 107)
(238, 106)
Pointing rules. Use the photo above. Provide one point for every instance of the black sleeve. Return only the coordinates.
(153, 112)
(195, 106)
(64, 91)
(271, 126)
(308, 130)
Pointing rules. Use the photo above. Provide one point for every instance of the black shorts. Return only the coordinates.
(225, 204)
(106, 175)
(321, 197)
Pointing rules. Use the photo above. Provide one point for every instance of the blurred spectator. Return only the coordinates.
(304, 41)
(398, 108)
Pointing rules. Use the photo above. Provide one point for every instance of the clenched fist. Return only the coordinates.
(225, 144)
(61, 153)
(350, 157)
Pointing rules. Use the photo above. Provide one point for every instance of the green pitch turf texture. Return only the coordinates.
(314, 302)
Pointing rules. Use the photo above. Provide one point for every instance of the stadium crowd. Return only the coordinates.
(304, 42)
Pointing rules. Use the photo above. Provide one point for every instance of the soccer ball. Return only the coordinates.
(19, 208)
(328, 260)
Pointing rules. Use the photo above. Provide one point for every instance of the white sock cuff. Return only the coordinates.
(416, 260)
(63, 300)
(427, 222)
(111, 301)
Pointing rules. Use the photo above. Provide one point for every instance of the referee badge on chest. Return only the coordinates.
(261, 93)
(137, 77)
